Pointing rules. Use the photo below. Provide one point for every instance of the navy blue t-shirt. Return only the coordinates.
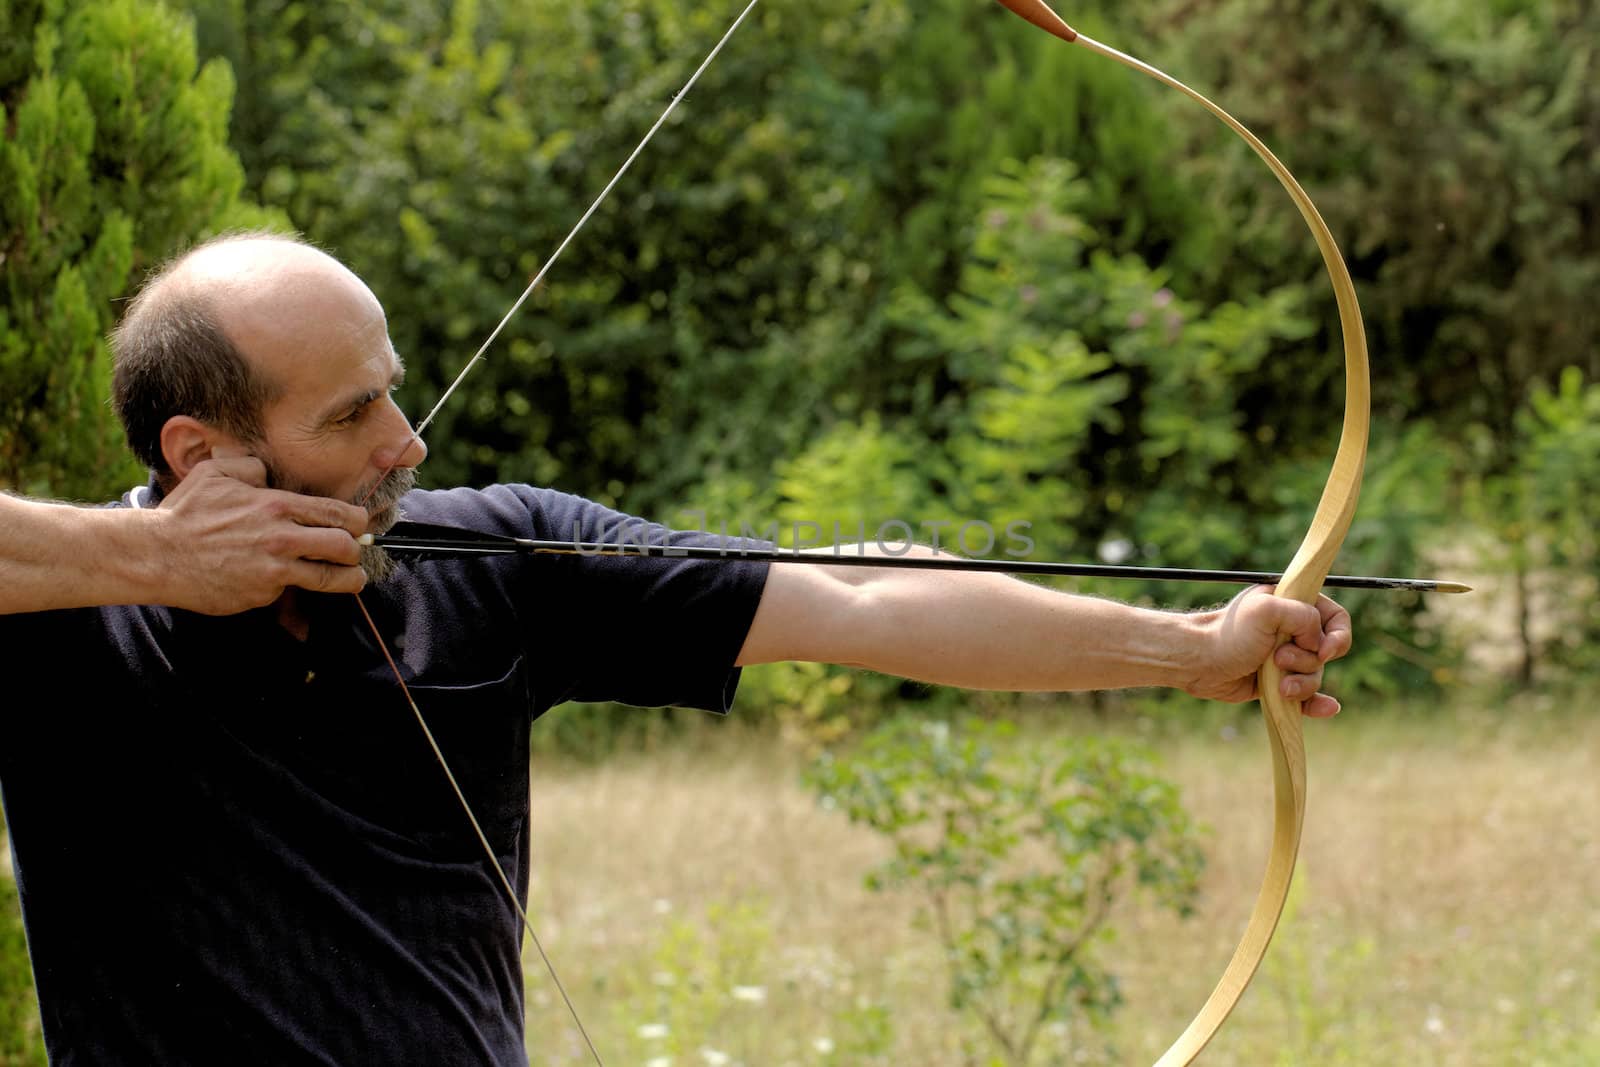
(236, 847)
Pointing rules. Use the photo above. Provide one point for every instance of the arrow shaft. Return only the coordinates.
(499, 546)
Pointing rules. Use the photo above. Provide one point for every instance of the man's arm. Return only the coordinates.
(987, 631)
(219, 543)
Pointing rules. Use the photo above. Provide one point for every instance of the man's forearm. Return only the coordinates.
(992, 632)
(61, 556)
(219, 543)
(976, 631)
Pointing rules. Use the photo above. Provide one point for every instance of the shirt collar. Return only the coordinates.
(145, 496)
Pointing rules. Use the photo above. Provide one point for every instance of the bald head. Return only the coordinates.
(216, 334)
(263, 286)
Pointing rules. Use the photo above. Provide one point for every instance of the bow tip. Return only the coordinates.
(1040, 14)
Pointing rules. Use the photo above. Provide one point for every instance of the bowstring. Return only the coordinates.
(677, 97)
(477, 829)
(416, 438)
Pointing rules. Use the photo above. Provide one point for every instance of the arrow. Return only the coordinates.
(425, 541)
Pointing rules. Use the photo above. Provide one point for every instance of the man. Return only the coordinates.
(231, 840)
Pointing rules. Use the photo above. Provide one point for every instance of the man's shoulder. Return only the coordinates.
(511, 510)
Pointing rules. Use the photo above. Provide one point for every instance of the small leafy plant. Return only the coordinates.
(1019, 852)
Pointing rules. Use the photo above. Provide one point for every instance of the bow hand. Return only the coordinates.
(1255, 626)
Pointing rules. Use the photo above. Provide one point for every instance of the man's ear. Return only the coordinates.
(186, 442)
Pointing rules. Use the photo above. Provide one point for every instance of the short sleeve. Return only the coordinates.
(638, 630)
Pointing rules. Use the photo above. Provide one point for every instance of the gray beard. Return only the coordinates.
(382, 504)
(376, 561)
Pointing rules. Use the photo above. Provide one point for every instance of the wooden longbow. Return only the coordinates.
(1302, 579)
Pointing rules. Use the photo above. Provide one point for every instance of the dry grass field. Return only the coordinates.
(702, 909)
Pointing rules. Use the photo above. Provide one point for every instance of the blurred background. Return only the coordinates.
(920, 262)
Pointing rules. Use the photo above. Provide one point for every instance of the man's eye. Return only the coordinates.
(350, 419)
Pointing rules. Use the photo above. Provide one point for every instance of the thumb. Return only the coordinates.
(1300, 623)
(235, 461)
(229, 450)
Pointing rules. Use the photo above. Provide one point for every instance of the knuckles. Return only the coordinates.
(281, 545)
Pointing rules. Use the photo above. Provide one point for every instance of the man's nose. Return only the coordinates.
(405, 448)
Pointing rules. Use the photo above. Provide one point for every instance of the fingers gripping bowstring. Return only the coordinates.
(416, 437)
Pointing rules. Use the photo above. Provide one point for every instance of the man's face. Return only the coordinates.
(320, 336)
(382, 504)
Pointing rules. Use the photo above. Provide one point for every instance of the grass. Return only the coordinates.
(20, 1044)
(1446, 911)
(702, 910)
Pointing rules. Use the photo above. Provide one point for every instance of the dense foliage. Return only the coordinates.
(888, 262)
(115, 155)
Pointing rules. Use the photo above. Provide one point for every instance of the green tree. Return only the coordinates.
(1543, 517)
(729, 304)
(1451, 145)
(1455, 148)
(114, 154)
(1114, 417)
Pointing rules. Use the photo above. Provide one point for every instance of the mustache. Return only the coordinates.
(387, 493)
(382, 501)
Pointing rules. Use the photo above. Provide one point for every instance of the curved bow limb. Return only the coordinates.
(1302, 579)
